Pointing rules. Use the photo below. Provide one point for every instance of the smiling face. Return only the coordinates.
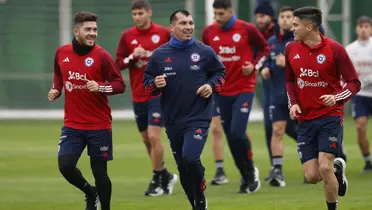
(182, 27)
(86, 33)
(301, 29)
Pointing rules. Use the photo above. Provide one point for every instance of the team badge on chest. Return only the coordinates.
(320, 58)
(195, 57)
(155, 39)
(236, 37)
(88, 62)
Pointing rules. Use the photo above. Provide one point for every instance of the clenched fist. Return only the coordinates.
(265, 73)
(328, 100)
(294, 111)
(204, 91)
(160, 81)
(92, 86)
(248, 68)
(53, 95)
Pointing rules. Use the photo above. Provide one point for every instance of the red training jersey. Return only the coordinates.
(313, 72)
(85, 110)
(235, 46)
(149, 39)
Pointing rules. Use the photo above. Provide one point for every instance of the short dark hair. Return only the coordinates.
(83, 16)
(222, 4)
(141, 4)
(182, 11)
(309, 13)
(364, 19)
(286, 8)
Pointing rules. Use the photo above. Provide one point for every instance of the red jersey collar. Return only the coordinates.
(316, 47)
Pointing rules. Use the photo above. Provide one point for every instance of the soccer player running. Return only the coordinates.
(274, 71)
(264, 14)
(234, 41)
(134, 49)
(88, 74)
(314, 67)
(359, 52)
(186, 72)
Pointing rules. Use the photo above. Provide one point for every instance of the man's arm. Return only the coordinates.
(123, 58)
(290, 80)
(258, 43)
(216, 71)
(151, 72)
(348, 73)
(57, 77)
(114, 81)
(204, 38)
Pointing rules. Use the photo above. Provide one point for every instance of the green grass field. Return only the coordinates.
(29, 177)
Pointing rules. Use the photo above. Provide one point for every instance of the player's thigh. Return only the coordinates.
(175, 138)
(225, 104)
(141, 115)
(241, 110)
(307, 146)
(279, 112)
(216, 107)
(194, 141)
(330, 135)
(360, 107)
(71, 142)
(155, 117)
(100, 144)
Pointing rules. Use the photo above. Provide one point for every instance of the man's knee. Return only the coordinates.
(145, 139)
(361, 124)
(326, 164)
(238, 133)
(99, 168)
(311, 169)
(325, 169)
(312, 177)
(67, 163)
(154, 134)
(278, 129)
(190, 158)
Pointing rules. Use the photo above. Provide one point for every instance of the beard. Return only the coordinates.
(88, 40)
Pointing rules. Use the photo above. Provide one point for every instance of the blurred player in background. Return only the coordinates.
(314, 67)
(274, 71)
(266, 23)
(134, 49)
(186, 72)
(234, 41)
(88, 74)
(360, 52)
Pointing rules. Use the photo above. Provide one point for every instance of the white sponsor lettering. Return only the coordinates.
(104, 148)
(227, 50)
(70, 87)
(229, 59)
(308, 73)
(77, 76)
(301, 84)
